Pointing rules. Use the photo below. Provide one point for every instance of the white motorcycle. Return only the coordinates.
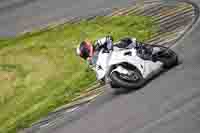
(129, 69)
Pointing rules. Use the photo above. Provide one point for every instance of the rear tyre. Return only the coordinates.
(167, 56)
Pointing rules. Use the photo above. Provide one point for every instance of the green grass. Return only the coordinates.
(39, 71)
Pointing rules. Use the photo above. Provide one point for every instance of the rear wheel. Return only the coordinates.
(132, 80)
(167, 56)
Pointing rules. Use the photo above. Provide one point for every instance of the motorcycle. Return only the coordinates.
(130, 68)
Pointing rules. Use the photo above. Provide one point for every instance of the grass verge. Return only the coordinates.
(39, 71)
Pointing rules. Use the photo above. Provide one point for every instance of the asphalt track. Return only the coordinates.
(168, 104)
(21, 15)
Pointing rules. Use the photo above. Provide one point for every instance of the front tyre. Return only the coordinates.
(133, 80)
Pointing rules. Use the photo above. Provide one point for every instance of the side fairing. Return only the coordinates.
(129, 55)
(107, 60)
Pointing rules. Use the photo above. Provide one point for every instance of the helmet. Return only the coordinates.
(85, 49)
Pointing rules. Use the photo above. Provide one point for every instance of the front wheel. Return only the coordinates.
(133, 80)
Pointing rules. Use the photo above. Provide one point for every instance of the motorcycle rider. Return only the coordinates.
(89, 51)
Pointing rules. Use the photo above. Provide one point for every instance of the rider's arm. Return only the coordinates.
(105, 42)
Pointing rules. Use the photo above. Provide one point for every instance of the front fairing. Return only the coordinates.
(101, 65)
